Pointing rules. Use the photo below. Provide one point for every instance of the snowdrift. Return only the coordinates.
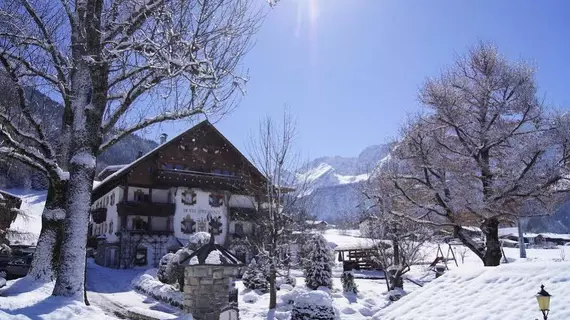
(506, 292)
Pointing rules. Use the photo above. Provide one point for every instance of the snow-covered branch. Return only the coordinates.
(148, 122)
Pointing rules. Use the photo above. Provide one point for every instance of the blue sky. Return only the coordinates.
(349, 70)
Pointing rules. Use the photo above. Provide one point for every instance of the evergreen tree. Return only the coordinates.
(254, 277)
(348, 284)
(318, 263)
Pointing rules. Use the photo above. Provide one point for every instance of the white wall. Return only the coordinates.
(112, 215)
(159, 223)
(199, 212)
(160, 195)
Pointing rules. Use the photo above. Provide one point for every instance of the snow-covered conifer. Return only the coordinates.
(254, 277)
(318, 263)
(348, 284)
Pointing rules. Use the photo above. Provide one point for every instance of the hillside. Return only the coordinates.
(17, 175)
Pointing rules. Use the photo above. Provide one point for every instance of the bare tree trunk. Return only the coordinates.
(521, 239)
(272, 286)
(70, 280)
(46, 257)
(492, 256)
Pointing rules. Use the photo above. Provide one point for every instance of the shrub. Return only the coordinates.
(313, 305)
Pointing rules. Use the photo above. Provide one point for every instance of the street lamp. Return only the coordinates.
(543, 299)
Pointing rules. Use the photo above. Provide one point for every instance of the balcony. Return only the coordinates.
(169, 177)
(150, 231)
(136, 208)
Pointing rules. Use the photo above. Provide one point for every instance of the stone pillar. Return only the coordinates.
(206, 290)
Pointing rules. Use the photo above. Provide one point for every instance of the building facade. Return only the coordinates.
(196, 182)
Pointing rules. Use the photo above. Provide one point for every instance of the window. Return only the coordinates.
(167, 166)
(140, 196)
(139, 224)
(111, 231)
(179, 167)
(113, 199)
(140, 257)
(238, 229)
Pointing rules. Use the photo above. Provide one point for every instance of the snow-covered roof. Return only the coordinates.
(340, 242)
(473, 229)
(211, 254)
(125, 168)
(315, 222)
(9, 194)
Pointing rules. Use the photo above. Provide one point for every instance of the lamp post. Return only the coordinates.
(543, 299)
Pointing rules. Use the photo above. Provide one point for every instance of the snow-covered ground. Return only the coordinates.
(24, 299)
(466, 291)
(474, 293)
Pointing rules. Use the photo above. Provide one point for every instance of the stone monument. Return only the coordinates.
(209, 273)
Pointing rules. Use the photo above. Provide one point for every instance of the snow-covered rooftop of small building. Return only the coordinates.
(315, 222)
(341, 242)
(211, 254)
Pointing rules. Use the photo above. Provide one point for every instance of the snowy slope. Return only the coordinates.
(505, 292)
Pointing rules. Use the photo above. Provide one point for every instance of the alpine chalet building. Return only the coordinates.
(196, 182)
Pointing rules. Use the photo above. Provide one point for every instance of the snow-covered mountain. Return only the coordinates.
(333, 182)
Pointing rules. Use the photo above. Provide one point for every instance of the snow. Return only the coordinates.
(351, 179)
(315, 297)
(55, 214)
(85, 159)
(340, 242)
(112, 290)
(213, 257)
(28, 299)
(314, 173)
(149, 284)
(505, 292)
(29, 225)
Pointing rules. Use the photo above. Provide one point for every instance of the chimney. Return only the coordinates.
(140, 154)
(163, 138)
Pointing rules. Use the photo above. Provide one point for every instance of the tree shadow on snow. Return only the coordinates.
(351, 297)
(43, 307)
(22, 285)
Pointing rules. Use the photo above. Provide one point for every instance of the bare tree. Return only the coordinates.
(274, 155)
(117, 67)
(486, 151)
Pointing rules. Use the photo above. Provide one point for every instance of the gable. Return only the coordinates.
(201, 149)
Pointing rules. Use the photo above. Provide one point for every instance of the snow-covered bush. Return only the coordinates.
(254, 277)
(348, 284)
(166, 269)
(318, 263)
(313, 305)
(250, 297)
(291, 296)
(147, 283)
(285, 287)
(287, 280)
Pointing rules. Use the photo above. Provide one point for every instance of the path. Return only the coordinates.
(111, 290)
